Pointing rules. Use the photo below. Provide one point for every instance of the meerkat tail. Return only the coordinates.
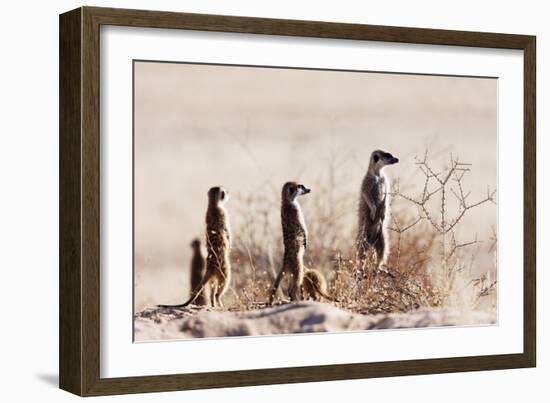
(318, 289)
(194, 296)
(323, 294)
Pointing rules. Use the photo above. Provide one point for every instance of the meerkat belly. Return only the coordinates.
(301, 252)
(295, 253)
(225, 280)
(301, 222)
(378, 192)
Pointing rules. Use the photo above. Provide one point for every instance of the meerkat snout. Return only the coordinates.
(218, 195)
(291, 190)
(381, 158)
(303, 190)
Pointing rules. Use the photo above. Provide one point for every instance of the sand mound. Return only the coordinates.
(302, 317)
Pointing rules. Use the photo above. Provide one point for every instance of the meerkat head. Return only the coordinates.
(195, 243)
(379, 159)
(291, 190)
(218, 195)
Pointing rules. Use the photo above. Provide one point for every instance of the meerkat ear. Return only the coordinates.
(376, 158)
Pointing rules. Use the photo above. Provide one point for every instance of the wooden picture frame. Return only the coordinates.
(79, 347)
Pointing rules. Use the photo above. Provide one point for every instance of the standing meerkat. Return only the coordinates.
(198, 267)
(314, 286)
(217, 275)
(294, 240)
(372, 208)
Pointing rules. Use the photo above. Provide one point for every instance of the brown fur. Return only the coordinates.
(198, 268)
(294, 240)
(372, 209)
(218, 244)
(314, 286)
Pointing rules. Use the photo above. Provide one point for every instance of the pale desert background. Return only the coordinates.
(252, 129)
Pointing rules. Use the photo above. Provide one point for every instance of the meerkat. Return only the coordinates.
(314, 286)
(373, 202)
(294, 240)
(198, 267)
(217, 275)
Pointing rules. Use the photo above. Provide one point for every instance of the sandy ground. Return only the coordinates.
(302, 317)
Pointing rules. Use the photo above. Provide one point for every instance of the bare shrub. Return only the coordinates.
(443, 192)
(427, 265)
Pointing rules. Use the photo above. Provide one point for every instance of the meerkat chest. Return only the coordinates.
(300, 221)
(294, 227)
(217, 226)
(378, 189)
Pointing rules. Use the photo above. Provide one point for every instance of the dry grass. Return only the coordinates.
(428, 266)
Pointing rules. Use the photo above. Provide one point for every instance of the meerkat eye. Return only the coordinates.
(222, 195)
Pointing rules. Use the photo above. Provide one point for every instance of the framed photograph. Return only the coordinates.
(249, 201)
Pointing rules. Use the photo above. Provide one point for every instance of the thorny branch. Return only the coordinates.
(439, 185)
(443, 181)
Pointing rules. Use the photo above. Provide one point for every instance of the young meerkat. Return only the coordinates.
(198, 267)
(372, 208)
(314, 286)
(294, 240)
(217, 275)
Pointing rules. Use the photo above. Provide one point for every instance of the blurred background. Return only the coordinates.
(251, 129)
